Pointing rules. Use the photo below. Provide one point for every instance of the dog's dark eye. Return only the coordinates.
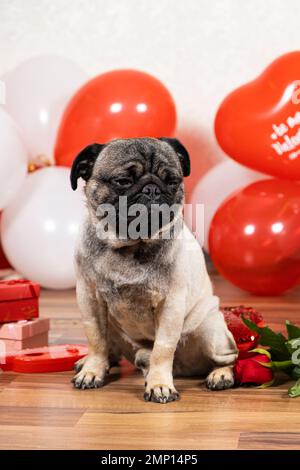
(123, 182)
(172, 182)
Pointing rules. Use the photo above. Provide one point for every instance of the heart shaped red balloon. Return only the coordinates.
(258, 124)
(254, 237)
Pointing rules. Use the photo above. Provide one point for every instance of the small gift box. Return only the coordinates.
(24, 334)
(18, 300)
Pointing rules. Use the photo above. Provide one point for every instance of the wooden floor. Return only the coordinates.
(44, 412)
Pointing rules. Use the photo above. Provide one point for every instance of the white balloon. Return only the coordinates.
(36, 94)
(13, 159)
(216, 185)
(40, 227)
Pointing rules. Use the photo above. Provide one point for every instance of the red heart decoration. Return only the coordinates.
(258, 124)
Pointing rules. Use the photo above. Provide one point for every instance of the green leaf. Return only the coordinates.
(268, 384)
(261, 351)
(294, 391)
(277, 365)
(268, 337)
(269, 365)
(293, 331)
(282, 336)
(282, 365)
(295, 373)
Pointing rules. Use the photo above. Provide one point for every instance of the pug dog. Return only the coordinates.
(146, 297)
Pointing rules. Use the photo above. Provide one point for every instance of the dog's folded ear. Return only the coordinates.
(182, 153)
(82, 166)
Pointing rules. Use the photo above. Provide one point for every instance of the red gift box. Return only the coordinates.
(18, 300)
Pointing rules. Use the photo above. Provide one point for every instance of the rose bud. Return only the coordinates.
(245, 338)
(249, 370)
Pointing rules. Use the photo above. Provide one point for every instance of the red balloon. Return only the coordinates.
(254, 237)
(258, 124)
(122, 103)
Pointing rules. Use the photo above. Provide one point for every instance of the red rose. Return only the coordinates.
(250, 371)
(245, 338)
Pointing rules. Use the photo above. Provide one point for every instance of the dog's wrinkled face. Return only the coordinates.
(146, 173)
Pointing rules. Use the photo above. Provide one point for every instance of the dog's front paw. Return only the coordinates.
(160, 391)
(91, 372)
(220, 379)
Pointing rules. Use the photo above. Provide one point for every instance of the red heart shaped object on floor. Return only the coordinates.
(245, 338)
(258, 124)
(55, 358)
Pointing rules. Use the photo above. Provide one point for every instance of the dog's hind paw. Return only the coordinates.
(220, 379)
